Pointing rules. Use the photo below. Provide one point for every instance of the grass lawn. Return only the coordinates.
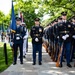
(3, 66)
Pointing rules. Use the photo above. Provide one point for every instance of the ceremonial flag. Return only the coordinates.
(13, 21)
(20, 15)
(3, 30)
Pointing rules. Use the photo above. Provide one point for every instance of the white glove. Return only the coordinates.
(67, 35)
(64, 37)
(58, 37)
(73, 36)
(11, 44)
(36, 39)
(24, 37)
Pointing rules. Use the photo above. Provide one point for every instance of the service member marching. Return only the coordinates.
(36, 34)
(64, 33)
(25, 39)
(17, 40)
(73, 39)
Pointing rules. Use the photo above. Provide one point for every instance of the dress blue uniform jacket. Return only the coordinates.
(19, 33)
(36, 32)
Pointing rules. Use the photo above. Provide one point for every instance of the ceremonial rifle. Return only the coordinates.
(60, 52)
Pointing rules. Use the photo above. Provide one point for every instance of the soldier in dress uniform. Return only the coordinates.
(57, 38)
(52, 40)
(64, 33)
(45, 38)
(50, 35)
(25, 39)
(73, 39)
(17, 41)
(36, 34)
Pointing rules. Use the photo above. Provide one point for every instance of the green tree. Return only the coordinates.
(1, 17)
(28, 9)
(51, 7)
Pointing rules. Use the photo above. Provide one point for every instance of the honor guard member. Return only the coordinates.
(45, 38)
(25, 39)
(64, 33)
(36, 34)
(73, 39)
(50, 37)
(17, 40)
(57, 38)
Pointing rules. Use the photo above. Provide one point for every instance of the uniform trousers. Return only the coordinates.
(24, 46)
(37, 47)
(67, 48)
(20, 45)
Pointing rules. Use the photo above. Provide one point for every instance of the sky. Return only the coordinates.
(5, 6)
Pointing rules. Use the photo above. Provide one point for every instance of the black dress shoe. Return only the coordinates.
(34, 63)
(21, 63)
(74, 65)
(40, 63)
(26, 50)
(71, 60)
(60, 65)
(24, 56)
(69, 65)
(14, 63)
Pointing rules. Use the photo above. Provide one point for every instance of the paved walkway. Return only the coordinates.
(47, 67)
